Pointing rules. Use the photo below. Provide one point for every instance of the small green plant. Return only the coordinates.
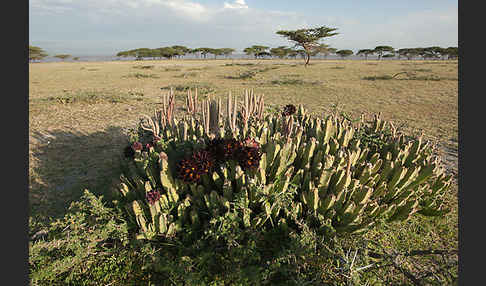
(141, 75)
(376, 77)
(171, 69)
(293, 81)
(242, 75)
(202, 88)
(143, 67)
(92, 97)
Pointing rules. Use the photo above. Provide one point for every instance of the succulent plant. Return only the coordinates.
(245, 165)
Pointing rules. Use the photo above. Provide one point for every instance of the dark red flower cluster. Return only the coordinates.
(249, 157)
(288, 110)
(152, 196)
(199, 163)
(223, 149)
(246, 152)
(137, 146)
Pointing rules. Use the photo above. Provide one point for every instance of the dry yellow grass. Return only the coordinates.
(78, 112)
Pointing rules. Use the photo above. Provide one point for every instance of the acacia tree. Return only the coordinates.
(325, 50)
(380, 50)
(256, 50)
(344, 53)
(204, 51)
(293, 53)
(62, 57)
(216, 52)
(280, 52)
(180, 51)
(36, 53)
(308, 39)
(227, 51)
(452, 52)
(409, 53)
(365, 52)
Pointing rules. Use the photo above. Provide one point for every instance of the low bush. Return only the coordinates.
(242, 75)
(275, 171)
(141, 75)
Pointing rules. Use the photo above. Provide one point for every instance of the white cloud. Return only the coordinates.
(113, 25)
(192, 10)
(238, 4)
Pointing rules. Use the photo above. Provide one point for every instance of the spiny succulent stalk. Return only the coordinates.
(168, 106)
(214, 116)
(191, 103)
(252, 107)
(288, 127)
(152, 127)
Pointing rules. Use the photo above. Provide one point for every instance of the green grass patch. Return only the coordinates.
(141, 75)
(242, 75)
(143, 67)
(239, 64)
(171, 69)
(378, 77)
(202, 88)
(293, 81)
(91, 97)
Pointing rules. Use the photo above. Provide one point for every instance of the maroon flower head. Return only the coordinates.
(249, 157)
(204, 160)
(223, 149)
(289, 109)
(188, 170)
(147, 146)
(137, 146)
(152, 196)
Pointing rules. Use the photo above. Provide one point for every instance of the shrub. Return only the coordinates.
(268, 172)
(293, 81)
(141, 75)
(90, 245)
(242, 75)
(92, 97)
(143, 67)
(202, 88)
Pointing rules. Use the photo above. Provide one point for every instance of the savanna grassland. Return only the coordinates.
(79, 114)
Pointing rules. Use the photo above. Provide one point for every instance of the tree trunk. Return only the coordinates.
(307, 59)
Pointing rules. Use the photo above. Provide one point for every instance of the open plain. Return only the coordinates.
(79, 114)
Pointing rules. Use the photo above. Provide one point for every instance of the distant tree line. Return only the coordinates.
(281, 52)
(174, 52)
(410, 53)
(36, 53)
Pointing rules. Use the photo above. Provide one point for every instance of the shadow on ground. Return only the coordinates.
(65, 163)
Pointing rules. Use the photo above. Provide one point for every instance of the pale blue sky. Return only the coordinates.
(104, 27)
